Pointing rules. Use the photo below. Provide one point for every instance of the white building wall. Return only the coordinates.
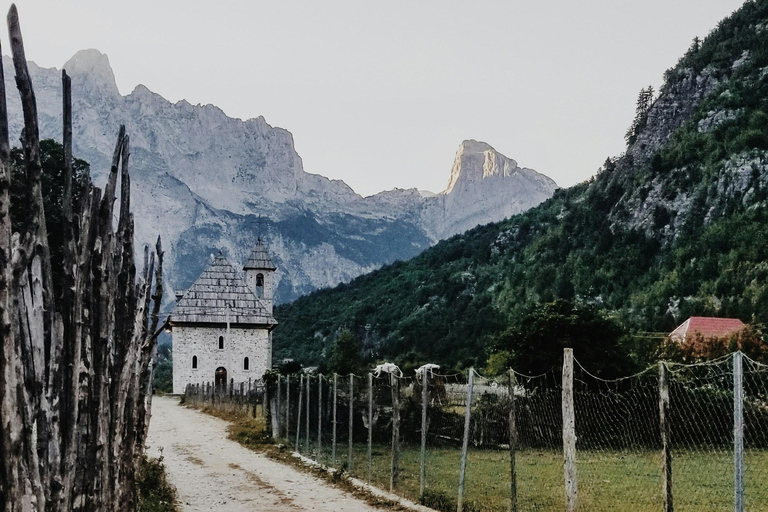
(203, 342)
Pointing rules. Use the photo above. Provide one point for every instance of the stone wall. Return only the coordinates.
(203, 342)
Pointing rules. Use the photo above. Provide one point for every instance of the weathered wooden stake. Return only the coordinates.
(512, 443)
(309, 394)
(335, 399)
(370, 424)
(664, 427)
(424, 403)
(569, 432)
(465, 442)
(395, 472)
(351, 421)
(298, 413)
(288, 407)
(279, 407)
(319, 417)
(738, 432)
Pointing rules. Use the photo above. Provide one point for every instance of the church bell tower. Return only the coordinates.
(260, 274)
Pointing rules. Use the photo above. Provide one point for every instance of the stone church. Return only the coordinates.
(222, 325)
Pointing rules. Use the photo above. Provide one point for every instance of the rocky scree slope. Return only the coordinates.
(202, 179)
(676, 226)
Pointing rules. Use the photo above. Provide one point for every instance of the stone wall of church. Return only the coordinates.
(203, 343)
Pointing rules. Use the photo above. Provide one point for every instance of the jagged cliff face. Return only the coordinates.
(202, 179)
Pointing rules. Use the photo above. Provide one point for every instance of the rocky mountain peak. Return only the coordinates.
(95, 65)
(477, 160)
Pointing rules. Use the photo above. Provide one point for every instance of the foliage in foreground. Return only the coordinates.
(154, 492)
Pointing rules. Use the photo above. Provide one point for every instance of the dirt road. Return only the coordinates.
(211, 472)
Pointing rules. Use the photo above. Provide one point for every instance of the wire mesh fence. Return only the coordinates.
(673, 437)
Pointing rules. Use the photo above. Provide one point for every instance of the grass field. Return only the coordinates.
(607, 481)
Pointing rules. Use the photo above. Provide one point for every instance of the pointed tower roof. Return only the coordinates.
(221, 294)
(259, 258)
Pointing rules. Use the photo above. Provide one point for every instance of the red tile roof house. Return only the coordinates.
(701, 336)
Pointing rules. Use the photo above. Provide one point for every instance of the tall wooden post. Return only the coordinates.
(335, 400)
(370, 424)
(512, 443)
(288, 407)
(279, 404)
(569, 432)
(664, 427)
(424, 402)
(309, 394)
(298, 413)
(395, 471)
(465, 442)
(351, 421)
(319, 417)
(738, 432)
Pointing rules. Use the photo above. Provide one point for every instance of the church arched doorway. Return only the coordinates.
(221, 378)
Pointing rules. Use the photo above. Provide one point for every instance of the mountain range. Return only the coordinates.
(207, 182)
(675, 226)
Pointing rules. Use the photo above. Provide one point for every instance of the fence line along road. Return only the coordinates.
(673, 437)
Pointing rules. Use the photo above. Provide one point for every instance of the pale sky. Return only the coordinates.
(381, 94)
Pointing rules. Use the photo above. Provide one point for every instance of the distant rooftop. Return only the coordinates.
(259, 258)
(220, 295)
(705, 328)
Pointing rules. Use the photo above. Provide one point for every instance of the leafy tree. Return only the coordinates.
(164, 368)
(345, 357)
(53, 180)
(537, 343)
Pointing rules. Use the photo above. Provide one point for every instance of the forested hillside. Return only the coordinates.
(675, 226)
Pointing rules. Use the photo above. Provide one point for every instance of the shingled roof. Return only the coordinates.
(259, 258)
(220, 294)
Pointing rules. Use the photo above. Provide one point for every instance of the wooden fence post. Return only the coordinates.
(351, 421)
(309, 394)
(319, 417)
(738, 432)
(279, 406)
(333, 439)
(288, 407)
(664, 427)
(423, 462)
(512, 443)
(569, 432)
(395, 472)
(465, 442)
(298, 413)
(370, 424)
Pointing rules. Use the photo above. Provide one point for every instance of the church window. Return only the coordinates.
(221, 342)
(194, 362)
(246, 364)
(259, 279)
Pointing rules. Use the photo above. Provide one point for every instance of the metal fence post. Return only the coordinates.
(664, 427)
(351, 420)
(465, 442)
(370, 424)
(423, 464)
(298, 414)
(569, 432)
(738, 432)
(333, 439)
(512, 443)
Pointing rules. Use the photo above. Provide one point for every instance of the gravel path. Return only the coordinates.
(211, 472)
